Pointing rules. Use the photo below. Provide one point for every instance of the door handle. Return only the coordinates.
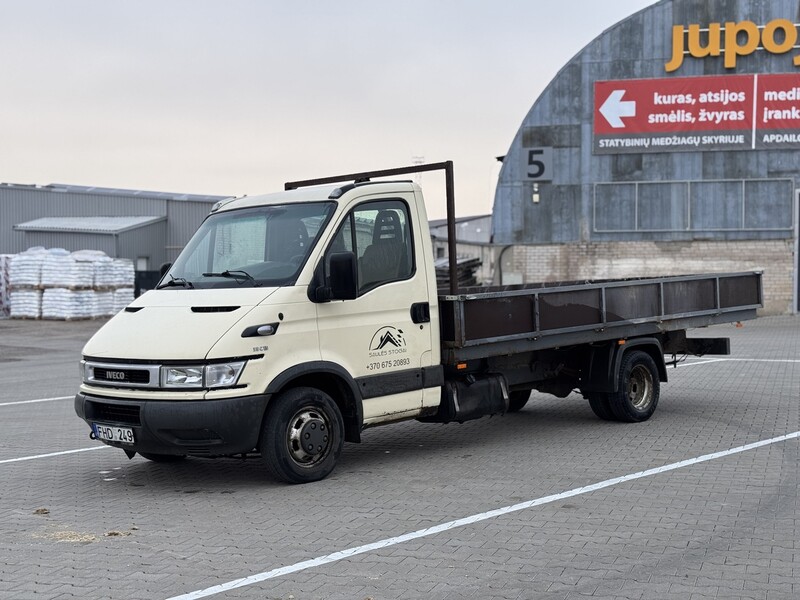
(421, 312)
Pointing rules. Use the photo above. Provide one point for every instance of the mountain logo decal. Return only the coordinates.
(387, 340)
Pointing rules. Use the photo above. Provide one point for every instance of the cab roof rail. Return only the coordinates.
(446, 166)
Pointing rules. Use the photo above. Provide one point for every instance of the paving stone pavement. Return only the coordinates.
(96, 525)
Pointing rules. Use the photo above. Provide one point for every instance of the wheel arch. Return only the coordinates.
(334, 380)
(605, 362)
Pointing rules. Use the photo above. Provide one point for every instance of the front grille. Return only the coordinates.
(112, 413)
(121, 375)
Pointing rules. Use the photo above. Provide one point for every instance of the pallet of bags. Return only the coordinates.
(123, 273)
(122, 297)
(25, 303)
(5, 286)
(25, 268)
(102, 303)
(67, 304)
(105, 274)
(63, 269)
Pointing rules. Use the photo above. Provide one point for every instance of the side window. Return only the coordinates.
(379, 233)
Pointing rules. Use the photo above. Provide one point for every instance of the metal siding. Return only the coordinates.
(183, 220)
(18, 205)
(561, 117)
(149, 241)
(21, 205)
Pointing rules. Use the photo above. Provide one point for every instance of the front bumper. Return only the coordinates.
(181, 427)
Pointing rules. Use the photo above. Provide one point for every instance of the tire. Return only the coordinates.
(518, 400)
(162, 458)
(600, 406)
(639, 388)
(299, 415)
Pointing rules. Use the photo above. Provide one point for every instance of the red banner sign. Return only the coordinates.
(731, 112)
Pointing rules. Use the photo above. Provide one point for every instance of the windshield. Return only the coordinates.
(262, 246)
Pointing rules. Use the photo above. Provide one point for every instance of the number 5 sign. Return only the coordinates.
(537, 164)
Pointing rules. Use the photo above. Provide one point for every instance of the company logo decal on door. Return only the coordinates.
(386, 341)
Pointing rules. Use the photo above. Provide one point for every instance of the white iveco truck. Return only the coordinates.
(292, 321)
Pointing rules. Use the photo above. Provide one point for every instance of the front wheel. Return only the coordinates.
(639, 388)
(302, 436)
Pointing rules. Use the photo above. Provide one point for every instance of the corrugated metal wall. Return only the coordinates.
(144, 242)
(161, 241)
(183, 218)
(670, 196)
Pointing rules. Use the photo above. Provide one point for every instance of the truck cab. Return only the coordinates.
(250, 320)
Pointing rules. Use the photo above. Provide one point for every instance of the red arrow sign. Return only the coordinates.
(674, 105)
(614, 109)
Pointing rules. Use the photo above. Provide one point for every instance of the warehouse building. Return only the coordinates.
(668, 145)
(150, 228)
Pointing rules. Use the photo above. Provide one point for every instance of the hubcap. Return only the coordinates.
(640, 387)
(309, 437)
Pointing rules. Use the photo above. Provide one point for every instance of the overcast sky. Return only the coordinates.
(235, 97)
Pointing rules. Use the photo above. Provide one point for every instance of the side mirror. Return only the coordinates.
(343, 280)
(164, 268)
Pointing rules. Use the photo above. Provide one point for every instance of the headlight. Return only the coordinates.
(182, 377)
(209, 376)
(223, 375)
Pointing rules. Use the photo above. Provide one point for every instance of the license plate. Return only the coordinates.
(112, 433)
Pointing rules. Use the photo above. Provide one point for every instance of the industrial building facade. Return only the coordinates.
(150, 228)
(668, 145)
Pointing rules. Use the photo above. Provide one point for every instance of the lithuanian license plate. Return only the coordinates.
(112, 433)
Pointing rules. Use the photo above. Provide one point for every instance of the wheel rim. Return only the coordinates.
(640, 387)
(309, 437)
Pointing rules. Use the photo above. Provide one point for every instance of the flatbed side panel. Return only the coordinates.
(695, 295)
(508, 346)
(546, 313)
(577, 308)
(635, 302)
(735, 291)
(502, 316)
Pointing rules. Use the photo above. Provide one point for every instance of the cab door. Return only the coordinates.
(382, 337)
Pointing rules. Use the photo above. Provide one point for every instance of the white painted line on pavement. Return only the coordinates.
(336, 556)
(13, 460)
(758, 360)
(699, 362)
(37, 400)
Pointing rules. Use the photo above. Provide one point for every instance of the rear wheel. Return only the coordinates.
(518, 400)
(302, 436)
(600, 406)
(639, 388)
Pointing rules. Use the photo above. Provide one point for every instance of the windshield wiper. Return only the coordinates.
(179, 281)
(234, 274)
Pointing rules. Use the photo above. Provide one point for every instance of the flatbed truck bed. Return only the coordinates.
(483, 322)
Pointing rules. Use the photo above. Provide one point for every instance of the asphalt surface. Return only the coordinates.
(94, 524)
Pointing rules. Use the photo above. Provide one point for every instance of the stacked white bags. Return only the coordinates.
(123, 273)
(61, 303)
(63, 269)
(77, 285)
(122, 297)
(25, 303)
(25, 269)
